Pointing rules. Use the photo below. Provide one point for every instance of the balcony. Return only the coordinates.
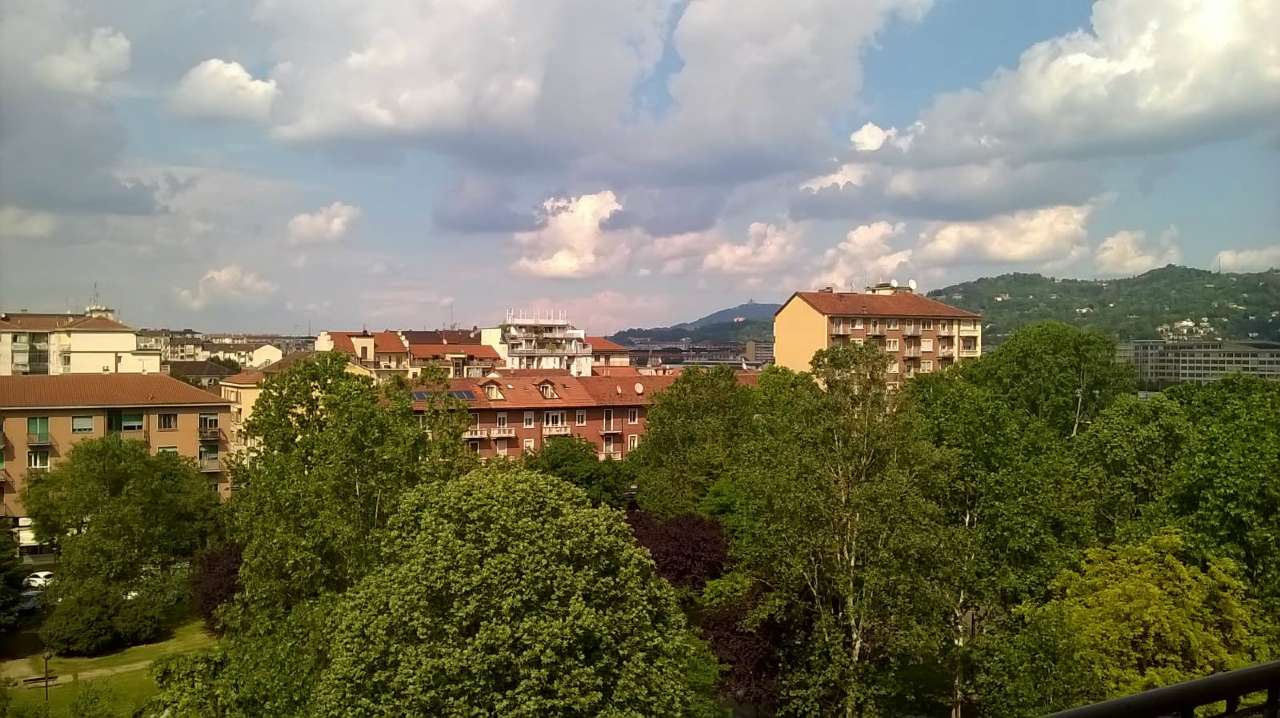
(210, 464)
(875, 331)
(615, 455)
(969, 352)
(611, 428)
(503, 432)
(39, 438)
(555, 431)
(1182, 699)
(840, 330)
(972, 331)
(911, 352)
(475, 433)
(909, 331)
(549, 351)
(946, 351)
(210, 433)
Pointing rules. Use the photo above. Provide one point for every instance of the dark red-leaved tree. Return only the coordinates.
(215, 580)
(688, 550)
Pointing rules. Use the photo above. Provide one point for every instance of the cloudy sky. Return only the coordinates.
(279, 164)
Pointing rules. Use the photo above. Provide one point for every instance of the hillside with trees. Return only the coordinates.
(752, 320)
(1237, 306)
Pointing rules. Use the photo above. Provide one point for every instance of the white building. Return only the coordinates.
(89, 343)
(540, 340)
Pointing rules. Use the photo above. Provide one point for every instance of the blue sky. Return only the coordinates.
(280, 164)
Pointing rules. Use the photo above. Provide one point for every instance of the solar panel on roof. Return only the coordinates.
(468, 395)
(421, 395)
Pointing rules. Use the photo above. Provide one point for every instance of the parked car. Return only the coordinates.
(39, 579)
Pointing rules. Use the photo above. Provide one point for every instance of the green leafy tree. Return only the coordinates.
(575, 461)
(11, 575)
(1131, 618)
(691, 429)
(506, 593)
(834, 526)
(1058, 374)
(127, 523)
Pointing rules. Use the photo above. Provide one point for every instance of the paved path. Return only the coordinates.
(21, 668)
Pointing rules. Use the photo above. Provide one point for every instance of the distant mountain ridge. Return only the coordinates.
(753, 320)
(1221, 304)
(749, 311)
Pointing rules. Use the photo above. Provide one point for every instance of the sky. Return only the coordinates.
(295, 165)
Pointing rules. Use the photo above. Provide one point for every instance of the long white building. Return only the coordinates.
(90, 343)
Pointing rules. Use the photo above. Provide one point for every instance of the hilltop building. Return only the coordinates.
(1163, 362)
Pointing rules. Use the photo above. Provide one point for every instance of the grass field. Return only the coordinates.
(125, 674)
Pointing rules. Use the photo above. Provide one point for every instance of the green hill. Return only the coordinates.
(1235, 305)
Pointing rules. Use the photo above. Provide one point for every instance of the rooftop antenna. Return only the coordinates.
(96, 301)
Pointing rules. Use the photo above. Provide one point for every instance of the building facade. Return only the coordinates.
(43, 417)
(90, 343)
(384, 353)
(921, 335)
(540, 340)
(608, 353)
(1160, 362)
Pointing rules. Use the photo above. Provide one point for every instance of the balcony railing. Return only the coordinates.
(610, 455)
(210, 433)
(946, 351)
(474, 433)
(38, 438)
(503, 432)
(841, 329)
(611, 428)
(911, 352)
(555, 431)
(911, 331)
(968, 352)
(549, 351)
(875, 331)
(210, 463)
(1182, 699)
(970, 331)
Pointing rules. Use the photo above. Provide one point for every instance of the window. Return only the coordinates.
(208, 421)
(38, 459)
(580, 417)
(37, 428)
(491, 391)
(633, 416)
(166, 450)
(528, 420)
(926, 324)
(633, 441)
(501, 421)
(475, 420)
(553, 418)
(926, 345)
(66, 361)
(131, 421)
(857, 323)
(893, 368)
(926, 365)
(893, 323)
(168, 422)
(473, 446)
(891, 345)
(608, 444)
(944, 326)
(81, 424)
(529, 445)
(548, 390)
(608, 419)
(500, 447)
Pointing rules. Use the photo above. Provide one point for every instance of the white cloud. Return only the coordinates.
(572, 242)
(1130, 252)
(1149, 75)
(224, 90)
(326, 225)
(607, 311)
(768, 248)
(848, 174)
(1051, 234)
(870, 137)
(1248, 260)
(19, 223)
(86, 62)
(230, 283)
(865, 256)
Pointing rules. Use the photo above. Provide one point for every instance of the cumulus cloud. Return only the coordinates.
(326, 225)
(768, 248)
(1130, 252)
(228, 284)
(1047, 235)
(1248, 260)
(865, 256)
(86, 61)
(224, 90)
(19, 223)
(478, 203)
(572, 241)
(1148, 76)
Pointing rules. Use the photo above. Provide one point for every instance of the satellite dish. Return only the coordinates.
(893, 283)
(639, 388)
(911, 283)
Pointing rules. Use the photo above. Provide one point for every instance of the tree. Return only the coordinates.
(1131, 618)
(215, 582)
(688, 550)
(227, 362)
(1058, 374)
(506, 593)
(11, 575)
(691, 429)
(574, 460)
(127, 523)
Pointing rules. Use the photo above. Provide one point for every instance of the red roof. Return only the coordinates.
(615, 371)
(384, 342)
(48, 391)
(600, 345)
(437, 351)
(524, 392)
(245, 378)
(899, 304)
(29, 322)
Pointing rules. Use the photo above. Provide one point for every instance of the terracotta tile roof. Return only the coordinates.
(521, 393)
(100, 390)
(902, 304)
(30, 322)
(605, 346)
(503, 371)
(437, 351)
(198, 368)
(615, 371)
(251, 377)
(384, 342)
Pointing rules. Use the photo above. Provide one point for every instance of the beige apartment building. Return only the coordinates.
(43, 417)
(90, 343)
(921, 335)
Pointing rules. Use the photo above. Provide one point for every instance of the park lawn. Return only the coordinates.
(128, 692)
(188, 637)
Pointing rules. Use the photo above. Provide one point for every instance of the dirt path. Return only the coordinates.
(21, 669)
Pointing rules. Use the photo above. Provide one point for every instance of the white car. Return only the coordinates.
(39, 579)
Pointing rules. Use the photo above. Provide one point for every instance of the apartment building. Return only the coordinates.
(1163, 362)
(384, 353)
(757, 353)
(246, 354)
(608, 353)
(540, 340)
(90, 343)
(43, 417)
(173, 344)
(518, 412)
(921, 335)
(460, 360)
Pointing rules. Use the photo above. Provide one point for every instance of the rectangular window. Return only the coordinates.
(81, 424)
(944, 326)
(607, 422)
(66, 361)
(500, 447)
(633, 441)
(131, 421)
(926, 324)
(475, 420)
(926, 365)
(580, 417)
(166, 449)
(528, 420)
(553, 418)
(857, 322)
(208, 421)
(926, 345)
(473, 446)
(893, 323)
(501, 421)
(529, 445)
(891, 345)
(893, 368)
(38, 428)
(168, 422)
(38, 459)
(633, 416)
